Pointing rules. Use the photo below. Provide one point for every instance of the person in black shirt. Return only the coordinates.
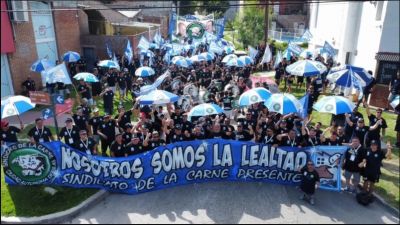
(108, 100)
(111, 79)
(107, 133)
(40, 133)
(124, 117)
(81, 121)
(309, 182)
(215, 131)
(154, 142)
(117, 148)
(86, 110)
(248, 121)
(84, 89)
(95, 122)
(360, 130)
(198, 134)
(127, 135)
(289, 139)
(310, 138)
(9, 133)
(29, 84)
(121, 80)
(333, 140)
(352, 159)
(177, 116)
(243, 135)
(86, 144)
(174, 136)
(376, 134)
(96, 86)
(134, 147)
(269, 138)
(70, 133)
(372, 163)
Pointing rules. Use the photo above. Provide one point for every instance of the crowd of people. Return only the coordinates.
(118, 136)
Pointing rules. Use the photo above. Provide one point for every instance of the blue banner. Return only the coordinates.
(55, 163)
(219, 27)
(294, 48)
(329, 49)
(172, 23)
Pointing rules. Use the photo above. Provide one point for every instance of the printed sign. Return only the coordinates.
(40, 97)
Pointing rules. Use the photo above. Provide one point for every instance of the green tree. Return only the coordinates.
(218, 7)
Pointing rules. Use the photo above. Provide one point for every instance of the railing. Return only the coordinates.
(285, 35)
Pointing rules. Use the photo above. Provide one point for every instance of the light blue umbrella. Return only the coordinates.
(182, 62)
(205, 109)
(108, 64)
(229, 49)
(198, 58)
(154, 46)
(236, 63)
(15, 105)
(87, 77)
(41, 65)
(71, 56)
(158, 97)
(334, 105)
(144, 71)
(283, 104)
(306, 68)
(208, 56)
(247, 60)
(229, 57)
(395, 102)
(342, 76)
(254, 95)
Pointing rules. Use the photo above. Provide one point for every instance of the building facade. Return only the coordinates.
(366, 34)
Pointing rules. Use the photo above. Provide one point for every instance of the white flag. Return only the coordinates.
(253, 52)
(267, 55)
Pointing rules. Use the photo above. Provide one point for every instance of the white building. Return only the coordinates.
(366, 34)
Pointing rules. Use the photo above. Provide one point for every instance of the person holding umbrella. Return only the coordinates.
(40, 133)
(9, 133)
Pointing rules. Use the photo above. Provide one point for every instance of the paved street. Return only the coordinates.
(229, 202)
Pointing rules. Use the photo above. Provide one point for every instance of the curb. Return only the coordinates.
(386, 205)
(59, 216)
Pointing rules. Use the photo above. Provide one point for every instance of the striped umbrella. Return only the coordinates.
(208, 56)
(158, 97)
(334, 105)
(15, 105)
(41, 65)
(182, 62)
(229, 57)
(198, 58)
(144, 71)
(283, 104)
(342, 76)
(71, 56)
(87, 77)
(235, 62)
(108, 64)
(229, 49)
(205, 109)
(247, 60)
(306, 68)
(395, 102)
(254, 95)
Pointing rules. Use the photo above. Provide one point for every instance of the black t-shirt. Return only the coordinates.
(186, 125)
(212, 134)
(95, 122)
(71, 136)
(40, 135)
(155, 144)
(121, 82)
(177, 118)
(10, 135)
(243, 136)
(375, 134)
(29, 85)
(110, 79)
(126, 118)
(246, 123)
(268, 140)
(118, 149)
(172, 137)
(336, 142)
(227, 102)
(80, 121)
(308, 180)
(126, 138)
(308, 141)
(86, 111)
(374, 162)
(108, 129)
(86, 146)
(133, 149)
(353, 157)
(86, 93)
(292, 143)
(108, 98)
(360, 132)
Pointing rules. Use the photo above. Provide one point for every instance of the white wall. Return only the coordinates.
(390, 32)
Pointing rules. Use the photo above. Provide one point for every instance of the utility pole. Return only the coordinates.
(266, 14)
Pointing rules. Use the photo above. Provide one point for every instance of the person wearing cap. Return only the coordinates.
(117, 148)
(175, 135)
(134, 147)
(177, 116)
(94, 122)
(352, 158)
(186, 124)
(248, 121)
(242, 134)
(121, 81)
(309, 181)
(359, 129)
(123, 117)
(85, 90)
(70, 133)
(108, 100)
(127, 135)
(86, 144)
(373, 119)
(371, 164)
(81, 121)
(9, 133)
(107, 133)
(154, 142)
(40, 133)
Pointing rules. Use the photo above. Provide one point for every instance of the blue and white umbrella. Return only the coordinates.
(205, 109)
(306, 68)
(144, 71)
(87, 77)
(15, 105)
(283, 104)
(41, 65)
(108, 64)
(247, 60)
(198, 58)
(395, 102)
(158, 97)
(236, 63)
(209, 56)
(334, 105)
(229, 49)
(343, 75)
(182, 62)
(229, 57)
(254, 95)
(71, 56)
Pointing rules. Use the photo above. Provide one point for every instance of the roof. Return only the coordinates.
(129, 13)
(110, 14)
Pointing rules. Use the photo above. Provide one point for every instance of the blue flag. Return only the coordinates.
(109, 52)
(294, 48)
(144, 44)
(329, 49)
(172, 23)
(252, 52)
(129, 52)
(219, 27)
(278, 59)
(304, 102)
(307, 36)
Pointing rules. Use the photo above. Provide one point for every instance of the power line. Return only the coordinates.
(190, 6)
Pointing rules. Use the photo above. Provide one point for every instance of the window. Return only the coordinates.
(20, 16)
(379, 9)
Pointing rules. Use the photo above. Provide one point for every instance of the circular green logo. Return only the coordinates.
(277, 107)
(209, 110)
(195, 30)
(29, 164)
(254, 98)
(329, 107)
